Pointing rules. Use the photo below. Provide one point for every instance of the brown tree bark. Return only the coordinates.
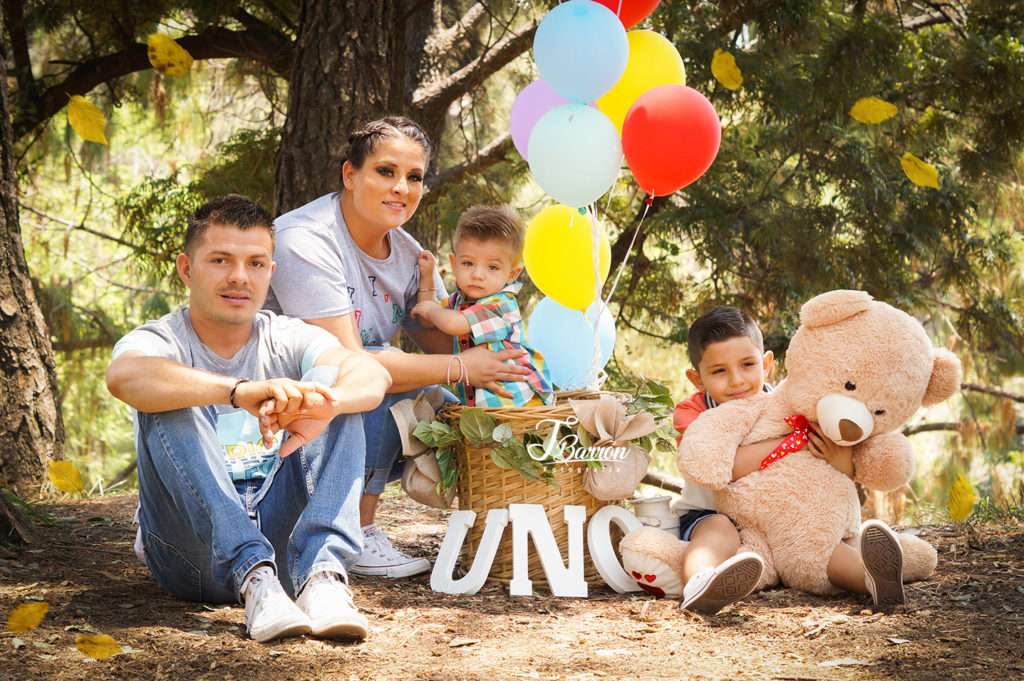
(353, 62)
(356, 60)
(31, 427)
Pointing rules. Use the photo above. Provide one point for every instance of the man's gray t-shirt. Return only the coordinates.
(279, 347)
(321, 272)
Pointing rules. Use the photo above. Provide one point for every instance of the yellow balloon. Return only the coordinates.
(559, 256)
(653, 61)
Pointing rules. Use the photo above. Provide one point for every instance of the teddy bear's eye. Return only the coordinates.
(879, 412)
(850, 386)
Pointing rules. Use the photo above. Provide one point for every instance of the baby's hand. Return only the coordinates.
(427, 263)
(422, 310)
(839, 457)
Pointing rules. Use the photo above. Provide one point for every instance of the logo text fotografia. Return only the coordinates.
(568, 448)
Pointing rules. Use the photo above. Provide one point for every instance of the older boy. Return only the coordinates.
(225, 507)
(728, 362)
(728, 359)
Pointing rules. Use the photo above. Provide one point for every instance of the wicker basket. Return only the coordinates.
(482, 485)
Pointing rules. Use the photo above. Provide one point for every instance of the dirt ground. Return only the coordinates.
(964, 623)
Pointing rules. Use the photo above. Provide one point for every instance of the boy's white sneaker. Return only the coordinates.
(328, 603)
(381, 559)
(713, 588)
(269, 612)
(882, 556)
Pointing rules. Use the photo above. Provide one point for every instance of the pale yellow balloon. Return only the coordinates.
(653, 61)
(559, 256)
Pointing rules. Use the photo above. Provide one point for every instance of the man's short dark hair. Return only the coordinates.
(493, 223)
(233, 210)
(719, 324)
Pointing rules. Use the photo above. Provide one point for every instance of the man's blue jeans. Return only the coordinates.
(202, 532)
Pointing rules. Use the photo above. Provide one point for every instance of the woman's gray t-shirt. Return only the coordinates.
(321, 272)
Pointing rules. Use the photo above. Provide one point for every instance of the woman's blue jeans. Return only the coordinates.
(383, 445)
(203, 532)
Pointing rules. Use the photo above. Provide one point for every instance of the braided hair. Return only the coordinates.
(364, 141)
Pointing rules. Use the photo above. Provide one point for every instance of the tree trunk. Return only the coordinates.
(31, 428)
(355, 60)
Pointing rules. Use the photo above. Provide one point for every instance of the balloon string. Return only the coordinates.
(648, 202)
(594, 372)
(596, 375)
(618, 12)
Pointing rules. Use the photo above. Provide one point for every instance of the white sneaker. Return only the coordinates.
(328, 603)
(882, 556)
(713, 588)
(269, 613)
(380, 559)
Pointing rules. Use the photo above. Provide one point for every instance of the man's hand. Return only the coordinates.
(303, 424)
(839, 457)
(277, 396)
(486, 368)
(287, 394)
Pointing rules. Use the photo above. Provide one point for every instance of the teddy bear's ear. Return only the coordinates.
(945, 380)
(832, 307)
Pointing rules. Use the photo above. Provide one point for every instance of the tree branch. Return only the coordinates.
(15, 20)
(932, 427)
(664, 481)
(442, 42)
(263, 45)
(990, 390)
(442, 92)
(925, 20)
(948, 425)
(84, 344)
(490, 155)
(279, 15)
(83, 228)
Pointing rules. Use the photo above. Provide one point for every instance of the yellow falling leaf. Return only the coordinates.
(961, 499)
(872, 110)
(26, 617)
(66, 477)
(167, 56)
(86, 119)
(920, 172)
(98, 647)
(725, 71)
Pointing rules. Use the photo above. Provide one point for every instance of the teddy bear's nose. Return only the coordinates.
(850, 431)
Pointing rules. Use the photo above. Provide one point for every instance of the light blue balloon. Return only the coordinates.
(575, 154)
(566, 339)
(581, 50)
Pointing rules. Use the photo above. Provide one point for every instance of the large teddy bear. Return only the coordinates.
(857, 367)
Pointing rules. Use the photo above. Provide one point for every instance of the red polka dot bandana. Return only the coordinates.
(796, 440)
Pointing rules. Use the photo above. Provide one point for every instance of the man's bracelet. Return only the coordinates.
(426, 289)
(231, 398)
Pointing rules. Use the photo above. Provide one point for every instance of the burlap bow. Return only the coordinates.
(624, 464)
(421, 473)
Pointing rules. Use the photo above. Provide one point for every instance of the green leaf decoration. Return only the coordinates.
(425, 434)
(502, 433)
(477, 426)
(502, 460)
(444, 435)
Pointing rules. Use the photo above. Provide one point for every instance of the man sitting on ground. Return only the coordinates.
(226, 504)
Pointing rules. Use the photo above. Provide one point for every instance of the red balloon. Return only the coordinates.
(630, 12)
(670, 137)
